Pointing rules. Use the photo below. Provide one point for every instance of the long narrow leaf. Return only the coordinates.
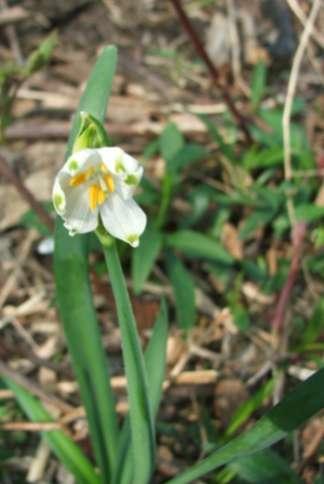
(290, 413)
(64, 448)
(75, 299)
(265, 467)
(183, 290)
(96, 95)
(155, 360)
(144, 256)
(141, 422)
(196, 244)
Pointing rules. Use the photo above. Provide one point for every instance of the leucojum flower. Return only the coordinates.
(96, 186)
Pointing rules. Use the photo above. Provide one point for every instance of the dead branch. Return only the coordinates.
(214, 73)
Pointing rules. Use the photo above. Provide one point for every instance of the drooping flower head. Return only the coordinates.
(97, 185)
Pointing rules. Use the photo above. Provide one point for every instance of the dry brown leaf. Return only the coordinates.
(231, 241)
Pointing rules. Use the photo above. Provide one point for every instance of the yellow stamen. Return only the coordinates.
(81, 177)
(96, 196)
(78, 179)
(93, 196)
(101, 196)
(103, 168)
(109, 182)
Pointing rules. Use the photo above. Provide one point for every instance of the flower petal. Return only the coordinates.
(123, 219)
(80, 161)
(78, 216)
(58, 196)
(127, 170)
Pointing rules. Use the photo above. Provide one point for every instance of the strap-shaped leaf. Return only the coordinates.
(140, 414)
(183, 289)
(144, 256)
(64, 448)
(155, 360)
(74, 296)
(290, 413)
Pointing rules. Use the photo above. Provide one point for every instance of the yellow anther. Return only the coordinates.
(78, 179)
(101, 196)
(109, 181)
(103, 168)
(81, 177)
(96, 196)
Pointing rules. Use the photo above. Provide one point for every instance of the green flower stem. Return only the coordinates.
(141, 422)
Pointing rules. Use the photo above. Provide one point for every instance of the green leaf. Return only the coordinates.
(309, 212)
(144, 256)
(85, 347)
(258, 83)
(155, 361)
(189, 153)
(315, 326)
(265, 158)
(198, 245)
(265, 467)
(171, 141)
(30, 220)
(225, 148)
(245, 410)
(141, 422)
(63, 447)
(41, 56)
(183, 290)
(257, 219)
(298, 406)
(74, 295)
(96, 95)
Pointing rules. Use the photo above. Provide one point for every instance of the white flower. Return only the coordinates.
(97, 183)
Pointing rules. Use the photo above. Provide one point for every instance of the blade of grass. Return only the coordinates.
(75, 299)
(155, 359)
(183, 290)
(197, 244)
(291, 412)
(144, 256)
(63, 447)
(140, 414)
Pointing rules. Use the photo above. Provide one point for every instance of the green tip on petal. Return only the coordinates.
(58, 202)
(73, 165)
(133, 240)
(131, 180)
(120, 167)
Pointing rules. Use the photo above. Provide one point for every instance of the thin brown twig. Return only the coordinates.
(31, 426)
(298, 11)
(292, 84)
(299, 233)
(12, 36)
(34, 388)
(298, 228)
(214, 73)
(8, 173)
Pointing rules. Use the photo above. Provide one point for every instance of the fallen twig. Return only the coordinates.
(201, 51)
(298, 236)
(296, 8)
(290, 97)
(8, 173)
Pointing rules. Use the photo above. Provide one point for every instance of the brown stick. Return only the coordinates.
(298, 236)
(31, 426)
(201, 51)
(8, 173)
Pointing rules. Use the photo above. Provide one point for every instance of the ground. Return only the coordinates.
(251, 340)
